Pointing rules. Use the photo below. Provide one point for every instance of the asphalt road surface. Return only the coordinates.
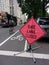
(12, 49)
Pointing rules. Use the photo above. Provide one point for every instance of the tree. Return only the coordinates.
(34, 8)
(44, 3)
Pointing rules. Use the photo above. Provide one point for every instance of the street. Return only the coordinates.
(12, 49)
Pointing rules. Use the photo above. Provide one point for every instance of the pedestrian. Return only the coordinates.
(11, 25)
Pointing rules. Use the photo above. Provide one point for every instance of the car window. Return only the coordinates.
(44, 21)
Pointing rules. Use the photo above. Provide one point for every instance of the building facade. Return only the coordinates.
(12, 7)
(4, 6)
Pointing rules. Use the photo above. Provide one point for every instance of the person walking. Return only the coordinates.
(11, 25)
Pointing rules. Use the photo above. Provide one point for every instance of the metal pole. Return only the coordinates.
(11, 7)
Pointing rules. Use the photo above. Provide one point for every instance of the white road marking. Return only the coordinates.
(19, 37)
(26, 45)
(24, 54)
(13, 38)
(8, 38)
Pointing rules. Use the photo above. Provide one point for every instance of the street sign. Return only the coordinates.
(32, 31)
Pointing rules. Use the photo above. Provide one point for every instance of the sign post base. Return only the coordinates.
(33, 56)
(26, 50)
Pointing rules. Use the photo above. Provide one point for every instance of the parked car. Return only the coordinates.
(44, 23)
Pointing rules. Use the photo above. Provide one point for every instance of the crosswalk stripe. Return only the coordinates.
(24, 54)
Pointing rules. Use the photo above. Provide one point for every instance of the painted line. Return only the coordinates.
(24, 54)
(19, 37)
(8, 38)
(26, 45)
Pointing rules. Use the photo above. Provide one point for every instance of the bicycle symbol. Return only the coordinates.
(19, 37)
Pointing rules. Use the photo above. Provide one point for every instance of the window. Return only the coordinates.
(44, 21)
